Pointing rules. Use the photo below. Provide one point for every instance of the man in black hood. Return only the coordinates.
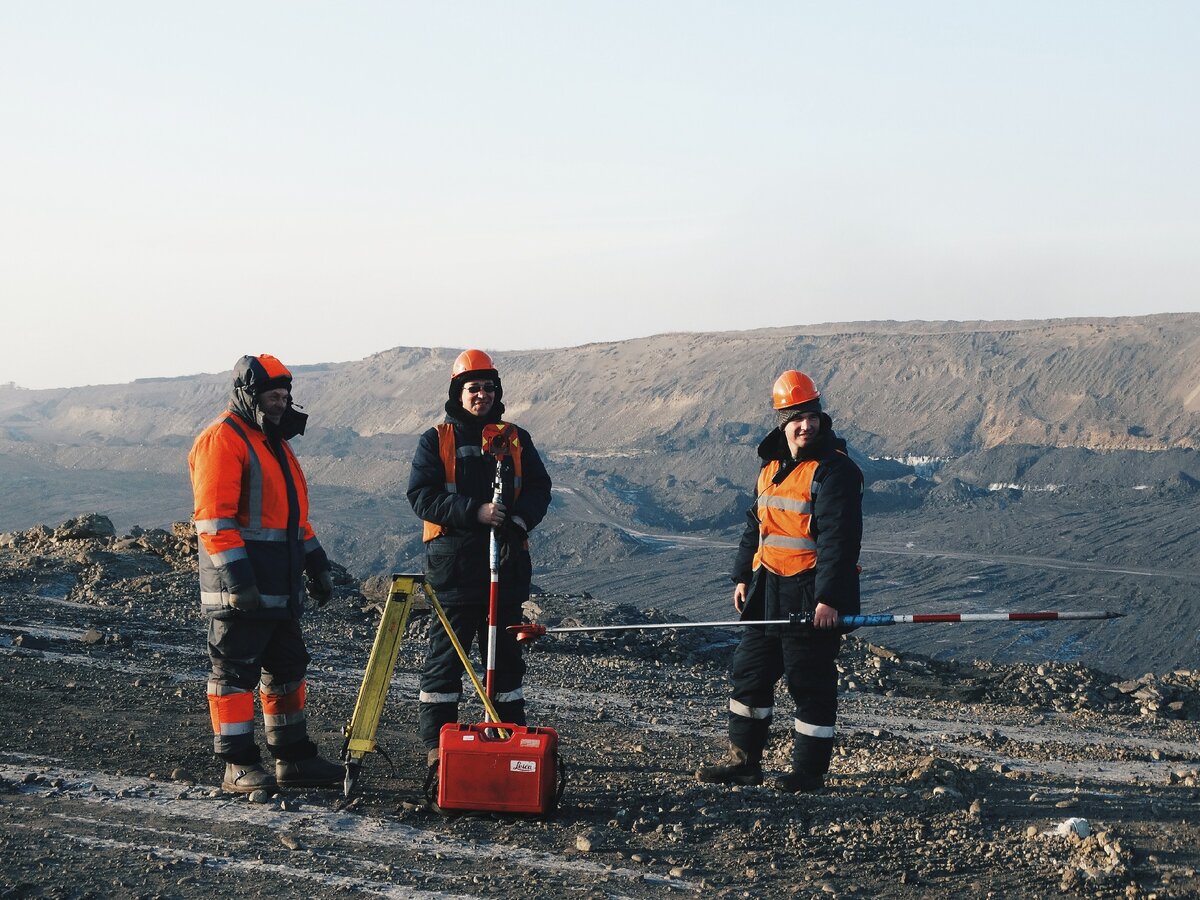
(798, 556)
(450, 488)
(256, 545)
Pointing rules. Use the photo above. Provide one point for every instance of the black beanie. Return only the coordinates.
(795, 412)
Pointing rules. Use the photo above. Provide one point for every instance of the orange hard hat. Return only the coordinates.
(793, 388)
(471, 361)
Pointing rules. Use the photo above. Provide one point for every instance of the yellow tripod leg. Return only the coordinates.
(360, 730)
(492, 715)
(377, 677)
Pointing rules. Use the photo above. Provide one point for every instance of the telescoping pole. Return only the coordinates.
(496, 442)
(532, 631)
(494, 592)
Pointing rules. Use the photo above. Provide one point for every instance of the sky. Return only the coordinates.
(183, 183)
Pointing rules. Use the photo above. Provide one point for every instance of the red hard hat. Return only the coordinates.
(793, 388)
(471, 361)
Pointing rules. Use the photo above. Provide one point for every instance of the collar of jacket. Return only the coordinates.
(471, 425)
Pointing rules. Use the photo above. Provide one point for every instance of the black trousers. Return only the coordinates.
(806, 658)
(442, 675)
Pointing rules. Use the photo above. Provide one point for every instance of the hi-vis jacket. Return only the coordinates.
(251, 517)
(806, 521)
(785, 541)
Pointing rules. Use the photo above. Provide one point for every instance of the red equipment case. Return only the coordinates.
(479, 770)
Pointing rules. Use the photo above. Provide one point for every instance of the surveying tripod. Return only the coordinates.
(407, 592)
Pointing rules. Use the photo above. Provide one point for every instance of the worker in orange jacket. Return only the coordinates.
(255, 546)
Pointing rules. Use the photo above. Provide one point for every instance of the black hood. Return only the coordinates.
(242, 404)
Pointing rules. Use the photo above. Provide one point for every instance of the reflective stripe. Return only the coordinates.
(212, 526)
(311, 544)
(469, 450)
(221, 690)
(255, 493)
(221, 598)
(451, 487)
(750, 712)
(791, 543)
(439, 698)
(225, 557)
(271, 689)
(791, 504)
(817, 731)
(510, 696)
(232, 712)
(264, 534)
(282, 719)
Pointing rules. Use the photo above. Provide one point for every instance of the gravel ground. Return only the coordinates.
(951, 779)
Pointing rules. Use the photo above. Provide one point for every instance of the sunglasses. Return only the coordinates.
(484, 387)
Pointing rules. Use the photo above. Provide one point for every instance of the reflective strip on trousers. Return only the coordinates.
(426, 697)
(283, 712)
(510, 696)
(816, 731)
(231, 713)
(750, 712)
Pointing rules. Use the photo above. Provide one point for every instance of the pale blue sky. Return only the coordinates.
(184, 183)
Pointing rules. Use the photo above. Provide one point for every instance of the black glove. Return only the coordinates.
(248, 599)
(320, 587)
(512, 537)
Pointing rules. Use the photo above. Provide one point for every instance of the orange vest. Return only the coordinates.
(449, 453)
(785, 540)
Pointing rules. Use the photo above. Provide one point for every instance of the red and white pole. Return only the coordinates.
(494, 594)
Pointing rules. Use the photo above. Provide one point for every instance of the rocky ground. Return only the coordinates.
(952, 779)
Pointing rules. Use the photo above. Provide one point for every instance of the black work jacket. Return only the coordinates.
(457, 561)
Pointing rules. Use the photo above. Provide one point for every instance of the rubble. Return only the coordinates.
(945, 777)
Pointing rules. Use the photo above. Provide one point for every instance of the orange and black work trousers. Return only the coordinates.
(268, 654)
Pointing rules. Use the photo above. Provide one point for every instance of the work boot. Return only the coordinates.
(432, 762)
(799, 783)
(311, 772)
(740, 769)
(246, 778)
